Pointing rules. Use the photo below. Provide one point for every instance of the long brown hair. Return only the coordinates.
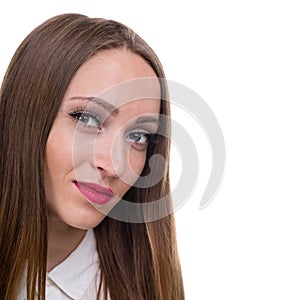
(137, 261)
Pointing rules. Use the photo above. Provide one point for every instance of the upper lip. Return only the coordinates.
(97, 188)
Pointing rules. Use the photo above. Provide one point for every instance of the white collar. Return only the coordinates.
(76, 272)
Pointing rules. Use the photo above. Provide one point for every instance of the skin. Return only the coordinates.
(106, 154)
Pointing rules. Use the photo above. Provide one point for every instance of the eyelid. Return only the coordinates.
(152, 138)
(84, 111)
(150, 128)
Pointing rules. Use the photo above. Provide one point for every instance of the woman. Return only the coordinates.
(70, 157)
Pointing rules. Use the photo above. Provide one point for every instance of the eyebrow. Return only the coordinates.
(147, 119)
(106, 105)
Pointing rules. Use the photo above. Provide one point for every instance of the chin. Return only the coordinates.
(85, 221)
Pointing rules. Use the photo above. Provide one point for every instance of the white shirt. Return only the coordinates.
(77, 277)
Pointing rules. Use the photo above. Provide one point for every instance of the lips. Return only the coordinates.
(94, 192)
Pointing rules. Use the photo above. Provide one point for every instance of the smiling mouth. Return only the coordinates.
(94, 193)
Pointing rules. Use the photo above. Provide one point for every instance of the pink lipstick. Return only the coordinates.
(94, 192)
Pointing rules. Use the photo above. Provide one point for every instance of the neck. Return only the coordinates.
(62, 241)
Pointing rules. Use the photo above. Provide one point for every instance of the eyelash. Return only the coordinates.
(149, 137)
(78, 113)
(152, 138)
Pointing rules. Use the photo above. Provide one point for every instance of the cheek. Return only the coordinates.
(58, 156)
(136, 163)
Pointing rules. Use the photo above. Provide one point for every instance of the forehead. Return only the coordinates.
(118, 76)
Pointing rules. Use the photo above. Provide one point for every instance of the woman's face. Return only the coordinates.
(97, 146)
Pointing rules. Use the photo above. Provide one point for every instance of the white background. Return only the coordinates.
(243, 58)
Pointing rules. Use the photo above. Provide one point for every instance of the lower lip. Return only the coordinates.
(93, 196)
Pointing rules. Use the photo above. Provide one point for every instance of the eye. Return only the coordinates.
(138, 137)
(87, 119)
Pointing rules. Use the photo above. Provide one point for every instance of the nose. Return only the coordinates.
(110, 154)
